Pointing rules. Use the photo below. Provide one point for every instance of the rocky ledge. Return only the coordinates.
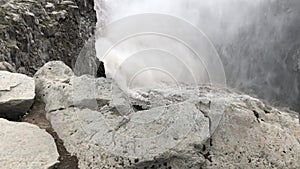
(184, 127)
(96, 125)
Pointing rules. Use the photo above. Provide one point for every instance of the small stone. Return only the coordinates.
(49, 5)
(29, 13)
(7, 67)
(67, 3)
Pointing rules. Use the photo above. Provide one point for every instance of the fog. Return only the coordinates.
(257, 41)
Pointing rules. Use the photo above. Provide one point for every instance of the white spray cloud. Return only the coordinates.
(257, 40)
(184, 66)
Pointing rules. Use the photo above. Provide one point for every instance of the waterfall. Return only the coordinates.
(256, 42)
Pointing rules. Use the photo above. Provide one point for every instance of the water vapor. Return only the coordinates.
(258, 41)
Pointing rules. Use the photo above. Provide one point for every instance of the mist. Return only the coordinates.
(257, 41)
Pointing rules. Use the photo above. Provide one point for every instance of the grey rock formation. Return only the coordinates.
(7, 67)
(24, 145)
(87, 62)
(253, 135)
(17, 92)
(56, 80)
(34, 32)
(261, 56)
(184, 127)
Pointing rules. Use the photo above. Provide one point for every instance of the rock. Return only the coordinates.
(100, 133)
(184, 127)
(248, 63)
(64, 86)
(21, 70)
(7, 67)
(255, 137)
(88, 63)
(54, 71)
(56, 74)
(101, 69)
(24, 145)
(35, 32)
(17, 92)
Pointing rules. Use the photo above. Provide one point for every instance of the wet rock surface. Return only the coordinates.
(17, 93)
(24, 145)
(162, 128)
(260, 57)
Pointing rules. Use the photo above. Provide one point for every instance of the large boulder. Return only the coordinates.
(253, 135)
(56, 80)
(24, 145)
(17, 92)
(106, 136)
(185, 127)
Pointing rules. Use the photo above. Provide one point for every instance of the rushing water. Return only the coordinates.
(258, 42)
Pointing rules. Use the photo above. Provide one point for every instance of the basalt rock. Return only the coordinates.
(35, 32)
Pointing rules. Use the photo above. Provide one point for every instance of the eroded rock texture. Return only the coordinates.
(34, 32)
(184, 127)
(24, 145)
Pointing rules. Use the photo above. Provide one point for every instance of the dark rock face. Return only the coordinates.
(260, 49)
(34, 32)
(101, 69)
